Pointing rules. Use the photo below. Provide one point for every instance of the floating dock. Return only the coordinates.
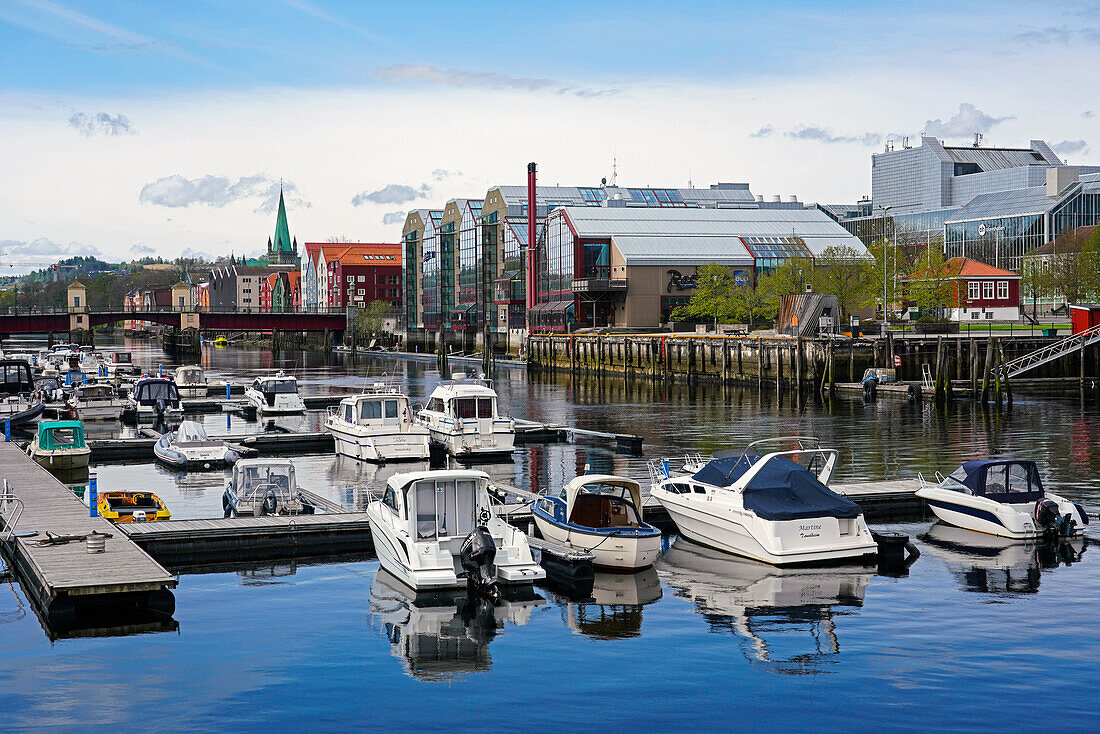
(64, 579)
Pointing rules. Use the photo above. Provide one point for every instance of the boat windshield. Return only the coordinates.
(151, 392)
(444, 508)
(474, 408)
(260, 479)
(69, 437)
(17, 377)
(280, 387)
(375, 409)
(190, 374)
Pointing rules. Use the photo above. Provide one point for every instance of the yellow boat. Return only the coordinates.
(221, 341)
(131, 506)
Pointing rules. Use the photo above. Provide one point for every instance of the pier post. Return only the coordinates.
(93, 495)
(798, 364)
(985, 372)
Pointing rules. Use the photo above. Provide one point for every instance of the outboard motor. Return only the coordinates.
(477, 555)
(1048, 518)
(270, 505)
(160, 407)
(227, 506)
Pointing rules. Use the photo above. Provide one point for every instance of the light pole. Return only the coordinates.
(885, 243)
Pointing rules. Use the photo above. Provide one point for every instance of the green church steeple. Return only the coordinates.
(282, 250)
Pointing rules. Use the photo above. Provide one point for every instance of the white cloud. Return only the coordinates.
(440, 174)
(967, 121)
(22, 257)
(393, 217)
(142, 250)
(824, 135)
(391, 194)
(763, 132)
(101, 123)
(217, 191)
(1070, 147)
(429, 74)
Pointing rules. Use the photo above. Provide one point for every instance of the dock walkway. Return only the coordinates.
(65, 575)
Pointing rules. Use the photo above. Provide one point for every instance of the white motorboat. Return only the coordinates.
(462, 416)
(766, 507)
(188, 447)
(1002, 497)
(95, 401)
(785, 616)
(60, 446)
(274, 394)
(436, 530)
(58, 355)
(119, 363)
(27, 357)
(191, 381)
(264, 487)
(20, 403)
(154, 398)
(441, 635)
(377, 425)
(602, 515)
(993, 564)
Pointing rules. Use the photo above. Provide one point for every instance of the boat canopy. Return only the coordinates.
(279, 385)
(1001, 480)
(189, 373)
(16, 376)
(75, 377)
(601, 484)
(191, 432)
(54, 435)
(149, 391)
(783, 489)
(259, 475)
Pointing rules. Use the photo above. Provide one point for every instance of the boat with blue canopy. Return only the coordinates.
(1002, 497)
(765, 505)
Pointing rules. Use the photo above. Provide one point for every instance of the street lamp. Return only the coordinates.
(885, 243)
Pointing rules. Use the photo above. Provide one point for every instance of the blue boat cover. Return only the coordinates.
(1001, 480)
(783, 490)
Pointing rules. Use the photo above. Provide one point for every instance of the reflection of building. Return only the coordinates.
(992, 565)
(443, 634)
(783, 616)
(608, 266)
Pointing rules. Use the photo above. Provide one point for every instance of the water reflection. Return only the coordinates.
(784, 617)
(445, 634)
(992, 565)
(614, 609)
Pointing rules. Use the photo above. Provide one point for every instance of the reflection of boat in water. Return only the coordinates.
(444, 634)
(614, 610)
(995, 565)
(783, 616)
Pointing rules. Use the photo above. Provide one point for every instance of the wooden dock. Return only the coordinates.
(62, 578)
(259, 444)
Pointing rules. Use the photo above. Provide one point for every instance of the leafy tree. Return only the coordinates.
(711, 297)
(847, 274)
(1074, 273)
(371, 319)
(928, 286)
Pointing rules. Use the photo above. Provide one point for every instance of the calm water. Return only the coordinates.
(979, 635)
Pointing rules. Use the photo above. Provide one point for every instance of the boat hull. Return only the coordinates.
(609, 549)
(61, 460)
(92, 412)
(475, 443)
(192, 392)
(983, 515)
(396, 446)
(809, 541)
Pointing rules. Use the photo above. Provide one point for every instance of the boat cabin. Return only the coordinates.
(256, 477)
(190, 374)
(94, 390)
(151, 390)
(600, 501)
(73, 378)
(58, 435)
(16, 377)
(277, 385)
(1010, 482)
(375, 409)
(444, 504)
(464, 399)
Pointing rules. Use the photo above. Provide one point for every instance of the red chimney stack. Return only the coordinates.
(532, 213)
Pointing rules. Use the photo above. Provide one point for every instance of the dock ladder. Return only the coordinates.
(926, 376)
(1051, 352)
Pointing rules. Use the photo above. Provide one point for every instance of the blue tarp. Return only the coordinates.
(783, 490)
(987, 478)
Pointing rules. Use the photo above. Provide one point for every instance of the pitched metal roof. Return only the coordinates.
(992, 159)
(1013, 203)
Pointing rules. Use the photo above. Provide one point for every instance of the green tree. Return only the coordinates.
(847, 274)
(1074, 273)
(370, 320)
(789, 278)
(928, 286)
(711, 299)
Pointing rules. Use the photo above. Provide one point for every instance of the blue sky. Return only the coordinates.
(186, 114)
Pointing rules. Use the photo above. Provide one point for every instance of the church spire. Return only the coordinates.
(282, 242)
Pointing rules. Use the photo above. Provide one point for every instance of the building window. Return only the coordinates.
(362, 279)
(351, 278)
(974, 315)
(987, 289)
(1002, 290)
(362, 291)
(973, 290)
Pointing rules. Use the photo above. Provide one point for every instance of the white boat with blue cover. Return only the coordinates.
(765, 506)
(188, 447)
(1002, 497)
(601, 514)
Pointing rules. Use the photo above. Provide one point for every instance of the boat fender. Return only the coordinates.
(227, 506)
(270, 505)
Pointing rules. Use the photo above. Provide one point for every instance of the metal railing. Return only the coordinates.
(1051, 352)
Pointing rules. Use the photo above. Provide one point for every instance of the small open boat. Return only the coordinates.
(264, 487)
(132, 506)
(188, 447)
(60, 445)
(601, 514)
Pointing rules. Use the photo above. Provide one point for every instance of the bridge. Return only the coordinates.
(47, 322)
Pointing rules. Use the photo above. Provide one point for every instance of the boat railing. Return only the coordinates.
(662, 468)
(830, 457)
